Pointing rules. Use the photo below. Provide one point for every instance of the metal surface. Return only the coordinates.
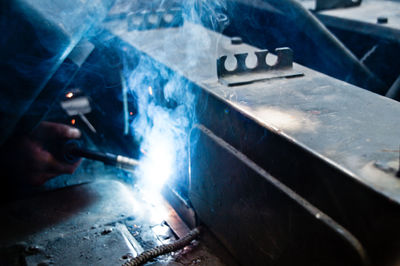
(262, 71)
(372, 32)
(260, 220)
(321, 114)
(64, 211)
(364, 19)
(100, 223)
(153, 253)
(181, 207)
(394, 91)
(146, 20)
(317, 135)
(290, 24)
(332, 4)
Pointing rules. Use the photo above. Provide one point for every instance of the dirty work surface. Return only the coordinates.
(99, 223)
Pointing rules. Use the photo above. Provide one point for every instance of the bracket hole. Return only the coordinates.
(231, 63)
(251, 61)
(136, 19)
(153, 18)
(168, 17)
(271, 59)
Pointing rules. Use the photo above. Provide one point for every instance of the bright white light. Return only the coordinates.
(157, 164)
(156, 168)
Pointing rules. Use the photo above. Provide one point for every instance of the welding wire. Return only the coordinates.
(87, 122)
(163, 249)
(125, 104)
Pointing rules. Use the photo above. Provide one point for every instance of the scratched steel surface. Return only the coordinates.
(334, 144)
(369, 11)
(364, 18)
(260, 220)
(348, 127)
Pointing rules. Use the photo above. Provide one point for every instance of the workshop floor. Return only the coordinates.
(97, 222)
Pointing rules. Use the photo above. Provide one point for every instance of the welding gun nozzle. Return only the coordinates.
(73, 152)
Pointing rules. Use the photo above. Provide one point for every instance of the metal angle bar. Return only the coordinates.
(270, 219)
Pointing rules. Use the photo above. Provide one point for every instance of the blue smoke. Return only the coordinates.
(166, 102)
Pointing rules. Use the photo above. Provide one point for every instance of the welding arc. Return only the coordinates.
(163, 249)
(73, 150)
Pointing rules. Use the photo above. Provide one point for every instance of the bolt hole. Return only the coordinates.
(168, 18)
(230, 63)
(271, 60)
(136, 20)
(153, 18)
(251, 61)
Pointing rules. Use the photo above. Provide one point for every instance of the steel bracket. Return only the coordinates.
(242, 74)
(147, 20)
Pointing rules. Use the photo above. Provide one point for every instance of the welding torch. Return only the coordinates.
(73, 151)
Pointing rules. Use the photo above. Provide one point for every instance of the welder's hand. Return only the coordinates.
(32, 159)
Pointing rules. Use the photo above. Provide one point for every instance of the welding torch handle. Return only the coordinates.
(106, 158)
(73, 150)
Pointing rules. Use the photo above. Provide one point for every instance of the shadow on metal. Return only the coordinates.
(260, 220)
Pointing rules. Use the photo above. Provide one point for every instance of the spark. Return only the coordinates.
(73, 121)
(69, 95)
(150, 90)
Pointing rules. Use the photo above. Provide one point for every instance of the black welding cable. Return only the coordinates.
(163, 249)
(333, 50)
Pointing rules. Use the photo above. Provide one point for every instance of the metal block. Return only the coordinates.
(316, 134)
